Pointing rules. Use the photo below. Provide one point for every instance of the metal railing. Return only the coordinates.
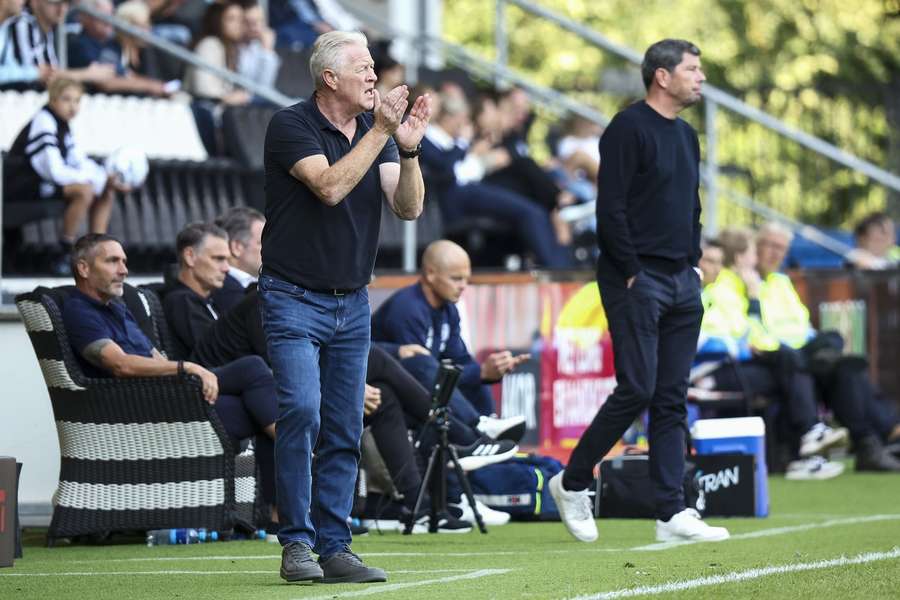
(185, 55)
(714, 97)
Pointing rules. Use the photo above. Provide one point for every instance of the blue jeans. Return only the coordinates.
(318, 348)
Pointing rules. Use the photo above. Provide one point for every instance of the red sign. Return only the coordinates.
(577, 376)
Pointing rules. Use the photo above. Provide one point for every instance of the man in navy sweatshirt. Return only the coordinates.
(419, 324)
(648, 231)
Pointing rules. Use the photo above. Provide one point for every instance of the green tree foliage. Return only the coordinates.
(828, 67)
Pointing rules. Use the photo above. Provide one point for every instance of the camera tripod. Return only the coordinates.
(435, 479)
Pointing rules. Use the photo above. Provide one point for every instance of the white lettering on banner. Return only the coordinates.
(710, 482)
(574, 357)
(576, 401)
(519, 396)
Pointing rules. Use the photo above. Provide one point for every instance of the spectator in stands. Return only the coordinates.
(456, 167)
(10, 69)
(244, 227)
(219, 44)
(98, 44)
(257, 59)
(711, 261)
(9, 9)
(876, 243)
(48, 162)
(108, 342)
(579, 147)
(421, 326)
(28, 56)
(139, 58)
(732, 318)
(299, 22)
(522, 174)
(842, 381)
(390, 73)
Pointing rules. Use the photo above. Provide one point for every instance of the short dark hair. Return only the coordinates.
(712, 243)
(237, 222)
(85, 248)
(665, 54)
(193, 235)
(869, 221)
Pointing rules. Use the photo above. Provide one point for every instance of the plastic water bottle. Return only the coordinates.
(165, 537)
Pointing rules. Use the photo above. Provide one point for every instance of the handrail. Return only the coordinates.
(263, 91)
(740, 107)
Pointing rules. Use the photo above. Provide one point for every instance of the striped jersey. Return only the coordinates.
(24, 46)
(51, 156)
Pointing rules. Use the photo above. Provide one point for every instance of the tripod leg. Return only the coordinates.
(467, 488)
(422, 488)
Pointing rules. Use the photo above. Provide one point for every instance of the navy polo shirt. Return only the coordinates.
(88, 320)
(305, 242)
(84, 50)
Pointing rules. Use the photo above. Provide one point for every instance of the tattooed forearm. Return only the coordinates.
(92, 351)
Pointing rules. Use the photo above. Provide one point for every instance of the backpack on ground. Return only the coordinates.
(519, 486)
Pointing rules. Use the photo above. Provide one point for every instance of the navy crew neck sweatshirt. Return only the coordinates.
(648, 202)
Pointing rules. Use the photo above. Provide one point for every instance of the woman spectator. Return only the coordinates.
(219, 44)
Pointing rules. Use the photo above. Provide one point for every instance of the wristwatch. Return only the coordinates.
(410, 154)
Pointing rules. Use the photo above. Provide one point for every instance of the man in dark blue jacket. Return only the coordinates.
(420, 324)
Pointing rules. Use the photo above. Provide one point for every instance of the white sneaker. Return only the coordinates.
(490, 516)
(509, 428)
(814, 467)
(821, 437)
(575, 510)
(687, 525)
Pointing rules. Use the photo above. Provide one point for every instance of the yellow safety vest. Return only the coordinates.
(783, 313)
(727, 313)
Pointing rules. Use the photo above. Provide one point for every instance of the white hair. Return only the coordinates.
(135, 12)
(327, 52)
(775, 228)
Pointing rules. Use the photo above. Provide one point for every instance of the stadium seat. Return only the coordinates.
(294, 78)
(244, 130)
(138, 453)
(161, 128)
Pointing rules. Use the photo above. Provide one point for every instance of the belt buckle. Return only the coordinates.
(337, 292)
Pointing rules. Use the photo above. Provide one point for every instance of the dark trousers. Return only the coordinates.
(856, 403)
(246, 405)
(388, 427)
(385, 371)
(654, 327)
(795, 390)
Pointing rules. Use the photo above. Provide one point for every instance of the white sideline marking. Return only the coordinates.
(738, 576)
(777, 531)
(390, 587)
(187, 572)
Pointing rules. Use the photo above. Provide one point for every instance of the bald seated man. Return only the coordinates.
(419, 325)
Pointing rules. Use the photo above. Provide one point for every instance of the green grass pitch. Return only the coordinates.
(829, 539)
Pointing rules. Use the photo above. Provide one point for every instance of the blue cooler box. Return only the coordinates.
(745, 435)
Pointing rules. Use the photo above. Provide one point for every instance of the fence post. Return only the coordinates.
(711, 210)
(500, 41)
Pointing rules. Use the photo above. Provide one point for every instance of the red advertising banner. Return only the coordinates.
(577, 376)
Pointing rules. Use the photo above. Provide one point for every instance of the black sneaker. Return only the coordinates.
(346, 567)
(297, 563)
(485, 451)
(448, 522)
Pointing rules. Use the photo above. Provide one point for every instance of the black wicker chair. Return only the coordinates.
(136, 453)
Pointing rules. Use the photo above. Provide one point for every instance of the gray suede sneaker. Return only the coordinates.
(297, 563)
(346, 567)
